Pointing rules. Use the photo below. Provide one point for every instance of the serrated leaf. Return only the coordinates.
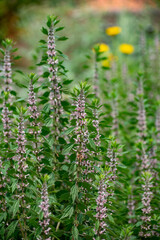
(74, 192)
(15, 208)
(75, 232)
(67, 148)
(111, 219)
(92, 144)
(68, 131)
(11, 228)
(68, 212)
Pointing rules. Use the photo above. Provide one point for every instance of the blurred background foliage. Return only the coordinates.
(21, 20)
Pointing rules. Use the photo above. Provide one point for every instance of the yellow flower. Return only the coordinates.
(107, 62)
(102, 47)
(126, 48)
(112, 31)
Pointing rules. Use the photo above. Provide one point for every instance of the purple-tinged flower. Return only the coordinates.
(82, 136)
(112, 172)
(44, 206)
(22, 165)
(55, 95)
(7, 71)
(146, 201)
(32, 104)
(34, 123)
(142, 126)
(131, 209)
(115, 118)
(145, 163)
(101, 210)
(96, 125)
(6, 119)
(112, 164)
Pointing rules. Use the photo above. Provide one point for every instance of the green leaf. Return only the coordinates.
(2, 51)
(17, 57)
(15, 208)
(43, 41)
(68, 212)
(74, 192)
(3, 216)
(67, 148)
(49, 22)
(67, 82)
(62, 38)
(59, 29)
(75, 232)
(11, 228)
(92, 144)
(111, 219)
(44, 30)
(68, 131)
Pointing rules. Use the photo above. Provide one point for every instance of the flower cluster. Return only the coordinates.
(141, 113)
(115, 118)
(131, 209)
(101, 208)
(6, 119)
(44, 206)
(7, 71)
(22, 165)
(146, 201)
(96, 125)
(34, 122)
(82, 135)
(55, 95)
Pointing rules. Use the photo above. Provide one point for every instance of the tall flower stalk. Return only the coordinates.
(55, 95)
(34, 122)
(22, 176)
(146, 201)
(45, 221)
(101, 209)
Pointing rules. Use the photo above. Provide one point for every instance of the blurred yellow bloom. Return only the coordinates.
(126, 48)
(107, 62)
(112, 31)
(102, 47)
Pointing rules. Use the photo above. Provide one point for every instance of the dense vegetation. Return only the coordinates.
(80, 162)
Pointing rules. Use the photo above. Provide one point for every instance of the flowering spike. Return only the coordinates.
(44, 206)
(82, 134)
(101, 208)
(34, 123)
(131, 209)
(96, 125)
(146, 201)
(6, 119)
(7, 70)
(55, 95)
(21, 158)
(142, 127)
(115, 118)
